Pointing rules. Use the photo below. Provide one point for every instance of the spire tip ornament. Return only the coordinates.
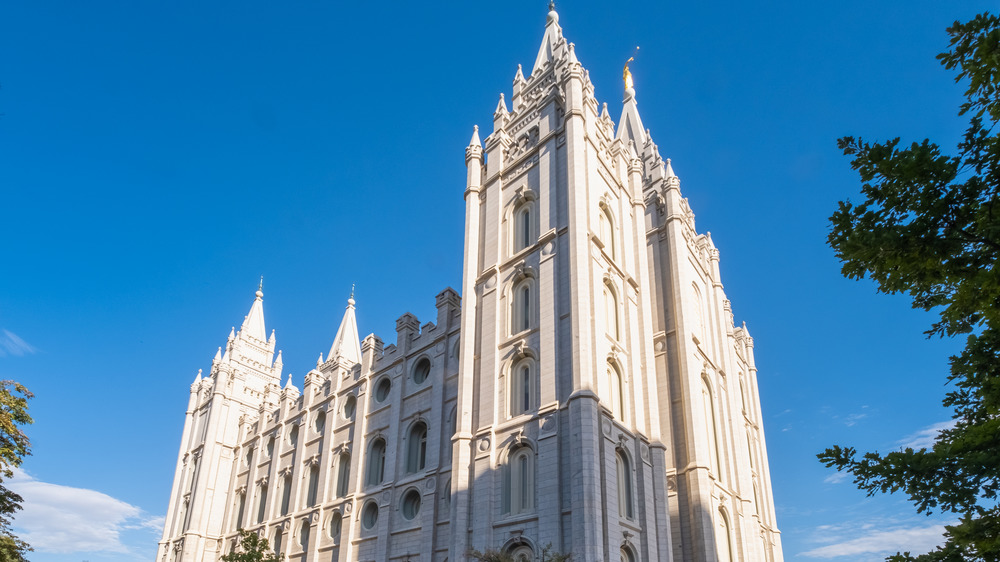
(627, 75)
(260, 287)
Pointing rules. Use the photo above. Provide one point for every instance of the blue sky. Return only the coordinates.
(157, 158)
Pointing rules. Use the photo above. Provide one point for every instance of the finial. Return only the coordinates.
(553, 17)
(627, 75)
(260, 287)
(350, 300)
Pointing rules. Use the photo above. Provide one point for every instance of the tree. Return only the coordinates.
(930, 227)
(14, 446)
(252, 548)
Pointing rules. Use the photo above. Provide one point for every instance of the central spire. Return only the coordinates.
(347, 345)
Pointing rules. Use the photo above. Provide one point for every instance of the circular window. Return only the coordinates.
(382, 389)
(411, 504)
(369, 516)
(335, 523)
(349, 406)
(320, 422)
(422, 370)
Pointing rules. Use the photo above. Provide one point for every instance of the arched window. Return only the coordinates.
(277, 540)
(313, 489)
(261, 502)
(611, 312)
(416, 447)
(241, 503)
(522, 227)
(422, 370)
(617, 396)
(606, 231)
(336, 522)
(522, 307)
(519, 482)
(627, 554)
(376, 463)
(523, 388)
(710, 431)
(411, 504)
(304, 535)
(724, 541)
(343, 474)
(382, 389)
(625, 507)
(286, 494)
(522, 553)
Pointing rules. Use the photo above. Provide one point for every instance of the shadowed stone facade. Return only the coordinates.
(591, 393)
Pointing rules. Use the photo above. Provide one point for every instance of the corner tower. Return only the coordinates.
(243, 379)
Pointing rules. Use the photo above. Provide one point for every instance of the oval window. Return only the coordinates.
(411, 504)
(382, 389)
(320, 422)
(369, 517)
(349, 406)
(422, 370)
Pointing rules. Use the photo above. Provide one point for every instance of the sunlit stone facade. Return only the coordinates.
(591, 393)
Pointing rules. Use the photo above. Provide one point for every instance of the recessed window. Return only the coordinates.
(611, 312)
(350, 405)
(270, 446)
(376, 462)
(607, 231)
(522, 227)
(522, 553)
(343, 474)
(261, 502)
(416, 448)
(615, 386)
(411, 504)
(313, 489)
(320, 422)
(249, 457)
(336, 522)
(422, 370)
(519, 482)
(382, 389)
(304, 535)
(521, 307)
(277, 541)
(625, 508)
(293, 435)
(369, 515)
(522, 388)
(627, 555)
(241, 503)
(286, 494)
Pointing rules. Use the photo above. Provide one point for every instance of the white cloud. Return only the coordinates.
(914, 539)
(63, 519)
(11, 344)
(835, 478)
(926, 436)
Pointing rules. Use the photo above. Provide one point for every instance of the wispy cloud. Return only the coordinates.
(925, 437)
(916, 538)
(62, 519)
(835, 478)
(12, 344)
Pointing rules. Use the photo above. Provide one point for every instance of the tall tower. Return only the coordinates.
(242, 380)
(607, 405)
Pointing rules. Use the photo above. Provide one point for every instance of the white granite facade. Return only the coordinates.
(600, 401)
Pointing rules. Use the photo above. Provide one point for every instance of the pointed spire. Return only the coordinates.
(320, 360)
(232, 332)
(630, 125)
(572, 54)
(347, 344)
(670, 170)
(519, 77)
(473, 142)
(218, 356)
(501, 107)
(197, 378)
(549, 41)
(253, 325)
(604, 111)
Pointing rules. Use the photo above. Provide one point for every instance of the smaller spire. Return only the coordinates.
(501, 107)
(271, 339)
(519, 77)
(232, 333)
(277, 362)
(320, 360)
(474, 142)
(289, 383)
(670, 170)
(218, 356)
(572, 54)
(197, 378)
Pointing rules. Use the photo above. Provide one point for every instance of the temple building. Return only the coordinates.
(589, 392)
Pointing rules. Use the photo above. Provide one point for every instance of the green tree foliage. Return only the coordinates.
(930, 227)
(14, 446)
(252, 548)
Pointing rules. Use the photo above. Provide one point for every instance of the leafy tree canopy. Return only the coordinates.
(252, 548)
(930, 227)
(14, 446)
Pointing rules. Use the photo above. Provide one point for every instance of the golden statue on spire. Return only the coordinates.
(626, 74)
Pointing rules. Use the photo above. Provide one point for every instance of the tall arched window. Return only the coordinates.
(617, 396)
(376, 462)
(710, 430)
(277, 540)
(416, 447)
(724, 541)
(313, 489)
(286, 494)
(522, 227)
(521, 307)
(261, 502)
(241, 503)
(519, 482)
(625, 506)
(343, 474)
(606, 230)
(304, 535)
(523, 388)
(611, 312)
(627, 554)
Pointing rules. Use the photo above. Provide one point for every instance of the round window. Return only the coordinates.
(320, 422)
(369, 516)
(349, 406)
(382, 389)
(422, 370)
(411, 504)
